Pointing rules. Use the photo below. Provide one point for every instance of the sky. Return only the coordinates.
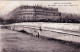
(7, 6)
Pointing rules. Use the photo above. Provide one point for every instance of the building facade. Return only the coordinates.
(36, 13)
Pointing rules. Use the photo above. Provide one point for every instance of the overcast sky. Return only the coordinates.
(7, 6)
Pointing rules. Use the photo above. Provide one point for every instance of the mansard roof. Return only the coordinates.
(37, 7)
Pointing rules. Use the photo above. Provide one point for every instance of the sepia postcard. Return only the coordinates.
(39, 26)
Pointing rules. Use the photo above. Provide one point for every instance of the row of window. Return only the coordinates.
(38, 13)
(31, 10)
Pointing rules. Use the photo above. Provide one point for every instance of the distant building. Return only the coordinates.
(35, 13)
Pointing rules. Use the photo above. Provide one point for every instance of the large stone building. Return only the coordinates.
(35, 13)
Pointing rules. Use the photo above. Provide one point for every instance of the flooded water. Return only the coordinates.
(13, 41)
